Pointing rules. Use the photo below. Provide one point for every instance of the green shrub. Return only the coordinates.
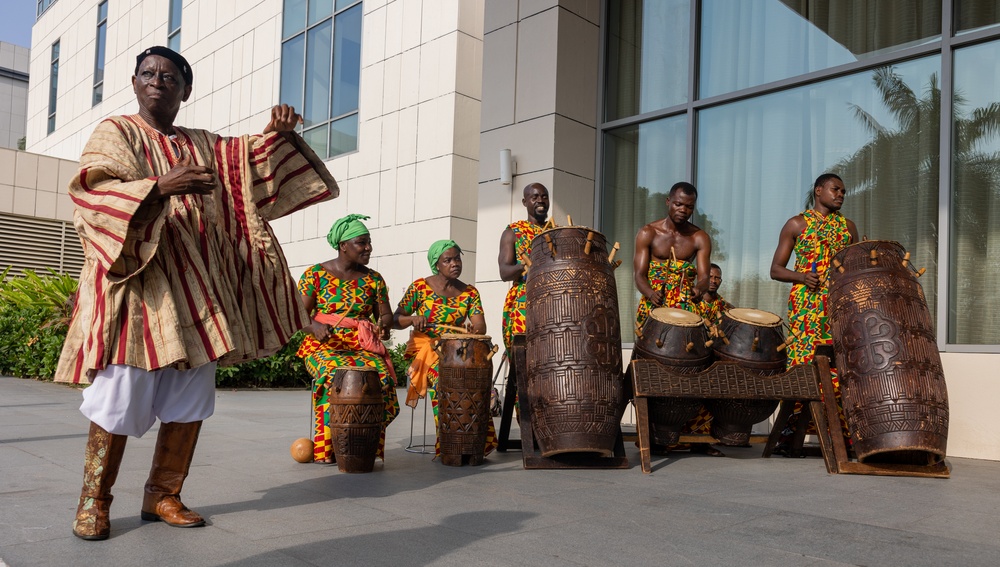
(281, 370)
(34, 317)
(399, 363)
(29, 348)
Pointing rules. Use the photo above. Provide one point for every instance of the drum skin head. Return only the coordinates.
(754, 317)
(676, 317)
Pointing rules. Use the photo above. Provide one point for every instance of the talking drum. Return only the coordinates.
(356, 410)
(751, 338)
(574, 363)
(465, 372)
(891, 379)
(678, 340)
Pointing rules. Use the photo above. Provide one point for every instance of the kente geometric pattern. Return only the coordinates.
(514, 303)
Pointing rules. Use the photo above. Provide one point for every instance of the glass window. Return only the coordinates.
(321, 71)
(318, 55)
(647, 59)
(43, 5)
(102, 34)
(641, 163)
(53, 87)
(974, 274)
(293, 17)
(757, 159)
(747, 43)
(174, 25)
(974, 14)
(347, 62)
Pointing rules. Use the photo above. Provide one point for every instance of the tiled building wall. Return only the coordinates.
(540, 85)
(35, 185)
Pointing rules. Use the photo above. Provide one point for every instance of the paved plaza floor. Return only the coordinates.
(264, 509)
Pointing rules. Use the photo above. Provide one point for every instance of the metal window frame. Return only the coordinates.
(945, 45)
(97, 50)
(53, 86)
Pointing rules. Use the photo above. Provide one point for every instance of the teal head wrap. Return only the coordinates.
(437, 249)
(346, 228)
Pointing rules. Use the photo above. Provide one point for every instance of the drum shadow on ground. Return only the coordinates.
(424, 545)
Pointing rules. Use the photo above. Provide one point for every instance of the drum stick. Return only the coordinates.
(672, 255)
(450, 328)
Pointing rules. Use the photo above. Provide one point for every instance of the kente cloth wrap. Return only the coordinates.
(420, 299)
(356, 299)
(675, 278)
(182, 281)
(822, 238)
(514, 304)
(712, 309)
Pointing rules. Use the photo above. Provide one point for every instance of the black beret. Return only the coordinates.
(170, 54)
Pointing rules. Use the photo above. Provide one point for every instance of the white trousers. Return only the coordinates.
(126, 400)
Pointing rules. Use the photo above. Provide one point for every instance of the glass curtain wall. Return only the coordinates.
(860, 93)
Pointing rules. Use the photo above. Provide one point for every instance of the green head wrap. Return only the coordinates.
(346, 228)
(436, 250)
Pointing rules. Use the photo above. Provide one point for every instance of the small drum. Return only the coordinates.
(751, 338)
(356, 411)
(574, 344)
(465, 374)
(891, 378)
(679, 340)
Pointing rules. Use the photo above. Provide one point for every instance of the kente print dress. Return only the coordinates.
(420, 299)
(822, 238)
(514, 304)
(357, 299)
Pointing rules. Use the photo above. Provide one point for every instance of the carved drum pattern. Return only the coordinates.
(891, 378)
(678, 340)
(752, 341)
(356, 410)
(465, 373)
(573, 343)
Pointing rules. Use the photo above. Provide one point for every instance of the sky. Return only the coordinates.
(18, 17)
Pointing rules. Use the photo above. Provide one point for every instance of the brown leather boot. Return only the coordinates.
(171, 461)
(101, 460)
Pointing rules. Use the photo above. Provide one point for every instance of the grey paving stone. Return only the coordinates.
(264, 509)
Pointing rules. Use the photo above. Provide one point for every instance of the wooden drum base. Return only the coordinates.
(728, 380)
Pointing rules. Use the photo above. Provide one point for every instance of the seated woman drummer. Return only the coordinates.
(351, 315)
(434, 306)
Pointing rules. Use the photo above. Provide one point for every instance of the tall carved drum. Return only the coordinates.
(891, 379)
(752, 338)
(678, 340)
(356, 410)
(465, 372)
(573, 343)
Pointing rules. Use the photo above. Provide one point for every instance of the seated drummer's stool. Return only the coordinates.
(517, 364)
(420, 448)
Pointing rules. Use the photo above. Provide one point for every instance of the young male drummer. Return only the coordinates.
(815, 235)
(672, 257)
(671, 269)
